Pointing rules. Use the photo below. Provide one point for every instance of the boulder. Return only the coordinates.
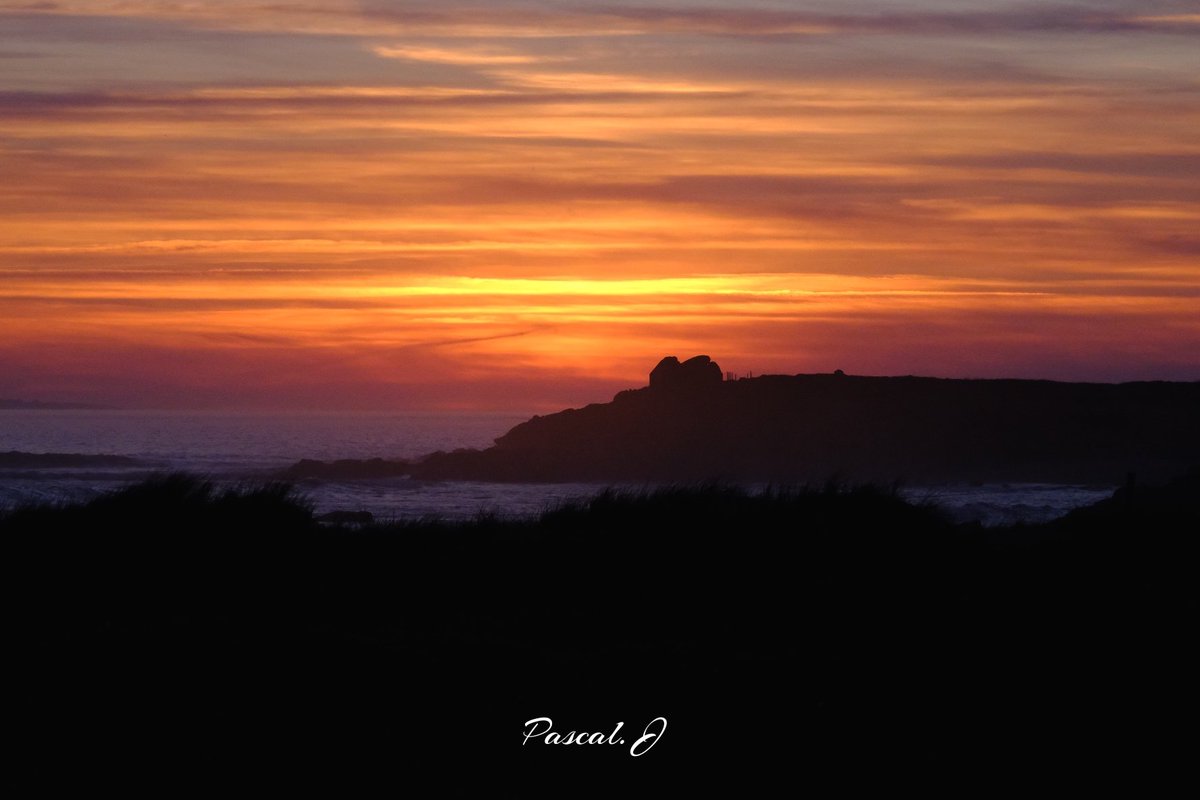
(694, 374)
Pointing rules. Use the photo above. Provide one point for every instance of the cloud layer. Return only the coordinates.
(415, 204)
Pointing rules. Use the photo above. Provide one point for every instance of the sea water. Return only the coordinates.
(241, 448)
(245, 448)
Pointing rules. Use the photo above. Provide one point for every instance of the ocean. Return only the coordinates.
(244, 448)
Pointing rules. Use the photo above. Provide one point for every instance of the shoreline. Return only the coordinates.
(393, 494)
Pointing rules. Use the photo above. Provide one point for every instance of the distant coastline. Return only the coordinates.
(8, 404)
(15, 459)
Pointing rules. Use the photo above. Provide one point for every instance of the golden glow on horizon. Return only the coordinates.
(440, 55)
(1185, 19)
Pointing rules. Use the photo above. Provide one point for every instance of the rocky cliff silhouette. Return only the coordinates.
(689, 425)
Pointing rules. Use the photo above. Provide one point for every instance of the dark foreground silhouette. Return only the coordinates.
(832, 633)
(689, 425)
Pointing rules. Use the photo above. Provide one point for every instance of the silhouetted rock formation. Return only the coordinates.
(809, 427)
(697, 373)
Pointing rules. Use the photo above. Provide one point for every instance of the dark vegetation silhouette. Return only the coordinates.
(835, 630)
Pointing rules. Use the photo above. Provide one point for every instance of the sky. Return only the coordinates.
(522, 206)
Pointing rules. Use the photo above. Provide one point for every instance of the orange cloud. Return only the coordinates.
(574, 213)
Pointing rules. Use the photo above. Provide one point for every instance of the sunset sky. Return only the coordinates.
(524, 205)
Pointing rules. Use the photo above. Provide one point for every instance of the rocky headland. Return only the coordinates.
(690, 424)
